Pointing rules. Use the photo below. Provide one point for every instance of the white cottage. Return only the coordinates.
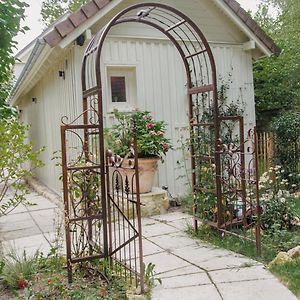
(49, 82)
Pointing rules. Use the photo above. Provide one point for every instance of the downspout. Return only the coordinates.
(36, 51)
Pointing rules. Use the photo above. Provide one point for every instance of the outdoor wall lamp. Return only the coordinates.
(62, 74)
(34, 99)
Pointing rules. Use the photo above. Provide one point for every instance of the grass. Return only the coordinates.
(297, 206)
(289, 273)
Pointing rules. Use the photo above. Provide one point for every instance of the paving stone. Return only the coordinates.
(158, 229)
(198, 253)
(201, 292)
(19, 209)
(171, 217)
(268, 289)
(225, 262)
(30, 244)
(241, 274)
(185, 280)
(173, 241)
(39, 203)
(165, 262)
(181, 271)
(149, 248)
(182, 224)
(45, 219)
(17, 226)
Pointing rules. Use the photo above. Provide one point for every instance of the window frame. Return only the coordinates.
(129, 72)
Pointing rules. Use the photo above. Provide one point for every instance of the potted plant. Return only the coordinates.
(152, 144)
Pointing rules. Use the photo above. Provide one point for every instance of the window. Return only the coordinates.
(118, 88)
(121, 88)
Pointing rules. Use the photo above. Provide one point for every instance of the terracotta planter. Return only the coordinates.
(147, 169)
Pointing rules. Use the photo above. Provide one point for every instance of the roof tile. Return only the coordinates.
(235, 6)
(101, 3)
(52, 38)
(77, 18)
(65, 27)
(89, 9)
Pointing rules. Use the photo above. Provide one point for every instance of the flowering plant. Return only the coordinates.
(151, 140)
(276, 199)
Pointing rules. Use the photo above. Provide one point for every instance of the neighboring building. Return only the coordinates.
(49, 85)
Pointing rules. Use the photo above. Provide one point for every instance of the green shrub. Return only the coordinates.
(15, 154)
(287, 152)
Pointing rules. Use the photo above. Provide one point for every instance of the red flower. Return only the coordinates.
(22, 283)
(149, 125)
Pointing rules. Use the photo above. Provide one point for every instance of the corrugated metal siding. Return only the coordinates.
(160, 89)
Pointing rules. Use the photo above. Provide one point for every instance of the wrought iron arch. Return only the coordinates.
(197, 58)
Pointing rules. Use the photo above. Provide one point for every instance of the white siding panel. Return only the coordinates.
(161, 89)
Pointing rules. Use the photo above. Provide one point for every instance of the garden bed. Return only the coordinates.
(39, 277)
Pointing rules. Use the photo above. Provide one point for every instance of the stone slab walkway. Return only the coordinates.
(189, 269)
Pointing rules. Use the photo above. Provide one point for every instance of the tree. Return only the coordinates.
(277, 79)
(53, 9)
(11, 13)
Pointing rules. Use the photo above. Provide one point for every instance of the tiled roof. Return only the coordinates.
(63, 28)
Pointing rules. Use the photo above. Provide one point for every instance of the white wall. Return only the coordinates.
(160, 89)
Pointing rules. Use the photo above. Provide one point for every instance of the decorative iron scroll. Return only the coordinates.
(101, 225)
(84, 207)
(236, 207)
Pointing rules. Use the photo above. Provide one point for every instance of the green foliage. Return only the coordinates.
(40, 277)
(277, 202)
(287, 131)
(18, 269)
(11, 13)
(6, 111)
(53, 9)
(289, 273)
(277, 84)
(150, 277)
(150, 135)
(15, 152)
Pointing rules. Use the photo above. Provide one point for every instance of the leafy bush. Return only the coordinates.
(287, 131)
(15, 154)
(277, 202)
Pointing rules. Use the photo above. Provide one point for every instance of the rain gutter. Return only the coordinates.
(36, 51)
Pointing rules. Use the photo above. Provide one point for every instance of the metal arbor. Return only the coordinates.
(102, 211)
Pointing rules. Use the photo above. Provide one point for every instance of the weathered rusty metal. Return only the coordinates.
(119, 235)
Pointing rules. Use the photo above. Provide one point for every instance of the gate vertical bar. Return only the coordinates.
(138, 209)
(258, 223)
(243, 167)
(66, 201)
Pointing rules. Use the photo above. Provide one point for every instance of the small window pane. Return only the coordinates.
(118, 90)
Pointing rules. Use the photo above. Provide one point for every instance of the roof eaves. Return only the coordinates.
(35, 53)
(62, 29)
(253, 26)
